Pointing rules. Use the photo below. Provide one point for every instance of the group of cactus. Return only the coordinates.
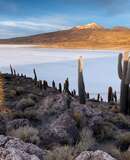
(112, 96)
(40, 84)
(124, 75)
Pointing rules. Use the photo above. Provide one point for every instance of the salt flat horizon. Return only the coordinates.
(100, 67)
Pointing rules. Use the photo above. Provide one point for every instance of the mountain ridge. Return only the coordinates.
(91, 36)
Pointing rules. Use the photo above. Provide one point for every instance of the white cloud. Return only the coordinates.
(32, 26)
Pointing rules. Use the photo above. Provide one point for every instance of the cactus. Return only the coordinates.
(53, 84)
(87, 95)
(66, 86)
(110, 94)
(124, 75)
(81, 86)
(40, 84)
(98, 97)
(11, 69)
(115, 97)
(35, 76)
(60, 88)
(45, 84)
(73, 93)
(14, 72)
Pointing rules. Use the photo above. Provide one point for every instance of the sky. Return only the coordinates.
(28, 17)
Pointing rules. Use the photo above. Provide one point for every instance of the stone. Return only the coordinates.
(97, 155)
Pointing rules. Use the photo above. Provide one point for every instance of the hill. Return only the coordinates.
(91, 36)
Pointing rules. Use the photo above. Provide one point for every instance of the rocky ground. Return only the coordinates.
(39, 122)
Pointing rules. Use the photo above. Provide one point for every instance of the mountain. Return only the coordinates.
(89, 26)
(91, 36)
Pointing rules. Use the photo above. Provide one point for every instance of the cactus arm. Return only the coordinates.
(120, 66)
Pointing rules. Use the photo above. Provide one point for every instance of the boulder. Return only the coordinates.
(25, 147)
(62, 131)
(15, 154)
(15, 149)
(97, 155)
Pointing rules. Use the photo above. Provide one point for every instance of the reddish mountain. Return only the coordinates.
(92, 36)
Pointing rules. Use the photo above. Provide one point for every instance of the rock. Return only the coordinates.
(15, 154)
(97, 155)
(15, 149)
(16, 123)
(62, 131)
(3, 140)
(25, 147)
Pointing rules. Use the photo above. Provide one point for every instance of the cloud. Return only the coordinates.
(12, 28)
(33, 25)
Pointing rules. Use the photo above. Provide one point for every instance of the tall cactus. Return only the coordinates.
(35, 76)
(110, 94)
(11, 70)
(81, 86)
(124, 75)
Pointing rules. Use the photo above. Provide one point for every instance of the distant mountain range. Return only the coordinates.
(91, 36)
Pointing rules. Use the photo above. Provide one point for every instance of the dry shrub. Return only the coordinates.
(124, 141)
(120, 120)
(27, 134)
(125, 155)
(25, 103)
(20, 90)
(86, 140)
(61, 153)
(77, 117)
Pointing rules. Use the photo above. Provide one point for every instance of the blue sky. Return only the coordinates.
(27, 17)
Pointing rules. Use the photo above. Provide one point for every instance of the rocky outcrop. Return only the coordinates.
(97, 155)
(15, 154)
(15, 149)
(63, 130)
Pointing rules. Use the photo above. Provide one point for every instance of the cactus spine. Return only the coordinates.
(81, 86)
(124, 75)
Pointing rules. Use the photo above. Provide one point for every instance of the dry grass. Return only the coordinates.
(27, 134)
(61, 153)
(86, 140)
(125, 155)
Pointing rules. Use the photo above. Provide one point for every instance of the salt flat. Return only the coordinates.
(100, 67)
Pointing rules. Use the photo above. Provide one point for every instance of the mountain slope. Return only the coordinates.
(90, 36)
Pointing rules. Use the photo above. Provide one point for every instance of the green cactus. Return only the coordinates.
(110, 94)
(35, 76)
(81, 86)
(11, 69)
(98, 97)
(124, 75)
(115, 97)
(60, 88)
(53, 84)
(66, 86)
